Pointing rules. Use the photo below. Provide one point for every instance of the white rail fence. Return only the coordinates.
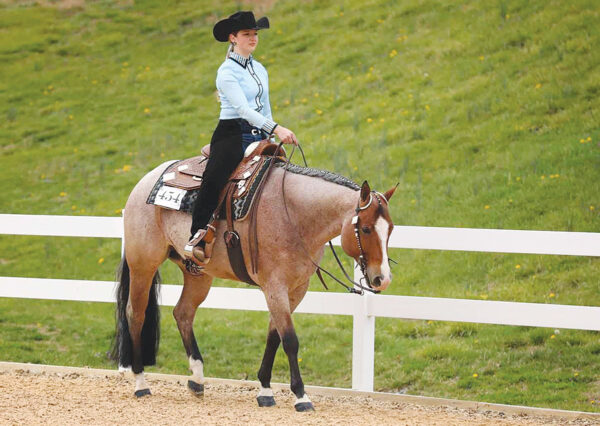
(363, 309)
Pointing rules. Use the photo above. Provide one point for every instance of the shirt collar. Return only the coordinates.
(239, 59)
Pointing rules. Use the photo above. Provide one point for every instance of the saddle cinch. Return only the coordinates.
(250, 175)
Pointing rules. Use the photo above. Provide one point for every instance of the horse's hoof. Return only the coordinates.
(142, 392)
(265, 401)
(196, 388)
(304, 406)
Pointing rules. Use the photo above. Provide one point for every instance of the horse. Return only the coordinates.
(300, 209)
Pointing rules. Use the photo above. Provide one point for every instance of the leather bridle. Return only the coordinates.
(362, 257)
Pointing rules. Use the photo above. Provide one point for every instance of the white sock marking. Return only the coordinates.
(197, 368)
(305, 398)
(265, 392)
(140, 382)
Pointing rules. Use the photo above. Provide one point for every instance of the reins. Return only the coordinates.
(362, 262)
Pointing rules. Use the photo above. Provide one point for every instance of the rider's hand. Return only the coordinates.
(285, 135)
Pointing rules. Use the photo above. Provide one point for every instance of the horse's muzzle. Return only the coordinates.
(380, 282)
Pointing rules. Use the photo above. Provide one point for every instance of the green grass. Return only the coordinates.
(487, 115)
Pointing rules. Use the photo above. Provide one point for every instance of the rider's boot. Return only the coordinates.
(199, 247)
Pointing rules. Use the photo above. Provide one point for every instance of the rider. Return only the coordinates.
(243, 86)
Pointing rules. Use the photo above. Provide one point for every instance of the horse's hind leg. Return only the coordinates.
(281, 305)
(141, 280)
(195, 290)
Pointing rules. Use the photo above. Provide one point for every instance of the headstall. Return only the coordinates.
(362, 258)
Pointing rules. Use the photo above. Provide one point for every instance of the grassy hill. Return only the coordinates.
(486, 113)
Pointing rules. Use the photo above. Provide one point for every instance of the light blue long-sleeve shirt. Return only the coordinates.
(243, 85)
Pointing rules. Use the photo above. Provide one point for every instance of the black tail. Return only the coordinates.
(122, 349)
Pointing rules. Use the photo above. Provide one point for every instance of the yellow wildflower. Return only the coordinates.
(369, 120)
(551, 295)
(316, 95)
(73, 208)
(63, 194)
(393, 53)
(553, 337)
(537, 86)
(517, 266)
(100, 261)
(592, 208)
(126, 167)
(487, 207)
(319, 112)
(475, 375)
(146, 110)
(481, 58)
(119, 211)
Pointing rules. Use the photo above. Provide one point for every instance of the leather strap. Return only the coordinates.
(233, 242)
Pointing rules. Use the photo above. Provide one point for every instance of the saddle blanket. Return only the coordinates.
(179, 199)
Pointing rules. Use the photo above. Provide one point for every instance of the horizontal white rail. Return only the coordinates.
(407, 237)
(405, 307)
(497, 240)
(61, 226)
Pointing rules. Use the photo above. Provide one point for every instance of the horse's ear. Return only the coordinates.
(365, 191)
(388, 194)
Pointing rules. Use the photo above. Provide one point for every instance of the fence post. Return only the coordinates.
(363, 342)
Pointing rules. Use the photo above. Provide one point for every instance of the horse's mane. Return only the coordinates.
(323, 174)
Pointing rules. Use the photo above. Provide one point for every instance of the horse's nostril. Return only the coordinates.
(377, 281)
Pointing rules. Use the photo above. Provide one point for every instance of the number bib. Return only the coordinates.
(169, 197)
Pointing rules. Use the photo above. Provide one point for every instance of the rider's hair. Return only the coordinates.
(230, 48)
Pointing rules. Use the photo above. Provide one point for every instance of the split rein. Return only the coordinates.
(357, 287)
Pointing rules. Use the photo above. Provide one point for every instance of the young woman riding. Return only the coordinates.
(243, 86)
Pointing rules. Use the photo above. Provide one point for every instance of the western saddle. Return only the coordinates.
(187, 175)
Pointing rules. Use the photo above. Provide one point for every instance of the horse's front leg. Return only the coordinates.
(265, 397)
(195, 290)
(281, 305)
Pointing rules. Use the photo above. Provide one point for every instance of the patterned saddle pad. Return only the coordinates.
(182, 198)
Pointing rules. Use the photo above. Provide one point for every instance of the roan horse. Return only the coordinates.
(291, 237)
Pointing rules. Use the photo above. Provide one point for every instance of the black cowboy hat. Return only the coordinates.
(238, 21)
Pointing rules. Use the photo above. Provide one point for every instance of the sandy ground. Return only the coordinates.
(71, 398)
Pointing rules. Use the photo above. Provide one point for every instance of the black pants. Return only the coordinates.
(226, 152)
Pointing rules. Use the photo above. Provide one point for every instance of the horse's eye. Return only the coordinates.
(366, 229)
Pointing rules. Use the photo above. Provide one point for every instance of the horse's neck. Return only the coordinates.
(320, 208)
